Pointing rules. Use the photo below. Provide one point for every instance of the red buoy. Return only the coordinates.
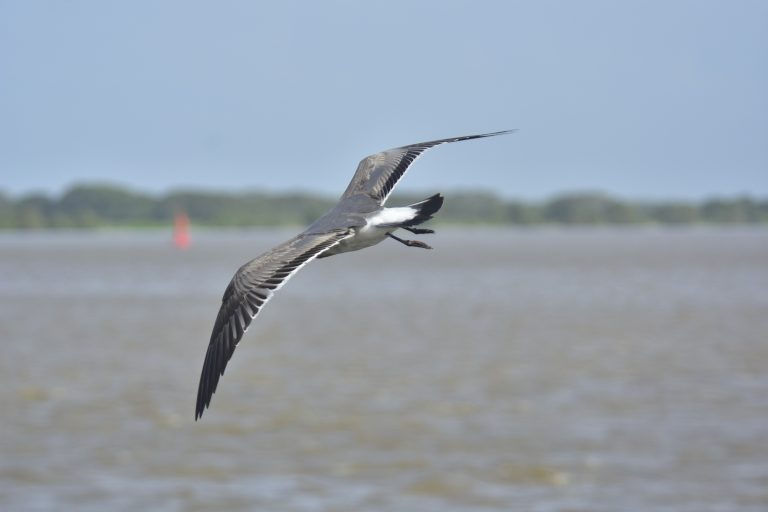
(181, 238)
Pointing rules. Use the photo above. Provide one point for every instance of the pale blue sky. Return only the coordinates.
(641, 99)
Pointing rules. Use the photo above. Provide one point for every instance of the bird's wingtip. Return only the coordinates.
(503, 132)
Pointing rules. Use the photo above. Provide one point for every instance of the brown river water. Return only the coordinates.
(532, 370)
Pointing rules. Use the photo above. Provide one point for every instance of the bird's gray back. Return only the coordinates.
(350, 212)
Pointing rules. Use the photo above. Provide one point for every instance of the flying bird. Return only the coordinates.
(359, 220)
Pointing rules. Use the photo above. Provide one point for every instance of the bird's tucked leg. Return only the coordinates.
(409, 243)
(419, 231)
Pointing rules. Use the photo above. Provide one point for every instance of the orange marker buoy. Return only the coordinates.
(181, 238)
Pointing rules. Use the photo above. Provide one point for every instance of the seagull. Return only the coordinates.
(359, 220)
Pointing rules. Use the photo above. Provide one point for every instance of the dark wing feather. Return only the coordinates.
(378, 174)
(251, 287)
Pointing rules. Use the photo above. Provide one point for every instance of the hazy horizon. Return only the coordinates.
(330, 195)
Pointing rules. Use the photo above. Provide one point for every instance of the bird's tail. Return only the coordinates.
(425, 209)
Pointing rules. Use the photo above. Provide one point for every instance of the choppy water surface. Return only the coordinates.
(543, 370)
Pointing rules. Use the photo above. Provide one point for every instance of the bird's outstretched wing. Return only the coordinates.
(378, 174)
(251, 287)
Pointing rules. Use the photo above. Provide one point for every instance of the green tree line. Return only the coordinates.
(93, 206)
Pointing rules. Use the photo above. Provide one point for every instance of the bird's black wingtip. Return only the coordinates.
(203, 399)
(502, 132)
(203, 393)
(480, 135)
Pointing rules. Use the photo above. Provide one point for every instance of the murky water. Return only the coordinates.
(542, 370)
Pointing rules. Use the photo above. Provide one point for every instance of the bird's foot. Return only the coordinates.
(409, 243)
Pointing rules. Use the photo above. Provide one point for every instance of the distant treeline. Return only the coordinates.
(93, 206)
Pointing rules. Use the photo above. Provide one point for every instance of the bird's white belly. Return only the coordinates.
(365, 236)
